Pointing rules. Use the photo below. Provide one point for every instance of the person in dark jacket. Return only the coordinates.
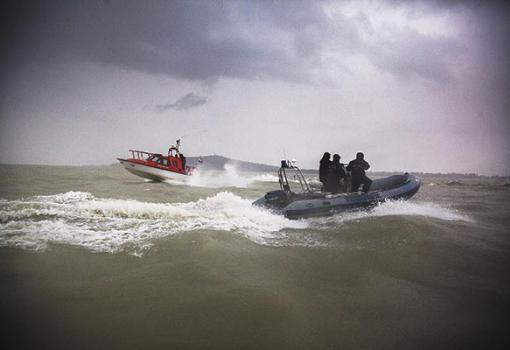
(337, 172)
(183, 160)
(323, 171)
(357, 167)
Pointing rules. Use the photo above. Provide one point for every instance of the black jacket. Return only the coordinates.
(323, 169)
(358, 167)
(337, 171)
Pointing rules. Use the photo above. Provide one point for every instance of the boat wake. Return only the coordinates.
(112, 225)
(399, 208)
(228, 178)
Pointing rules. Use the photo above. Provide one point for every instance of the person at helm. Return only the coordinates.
(357, 167)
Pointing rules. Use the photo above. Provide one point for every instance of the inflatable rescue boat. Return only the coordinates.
(297, 198)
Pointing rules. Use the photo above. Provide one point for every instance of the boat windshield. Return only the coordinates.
(292, 180)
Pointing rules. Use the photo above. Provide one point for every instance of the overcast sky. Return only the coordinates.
(415, 85)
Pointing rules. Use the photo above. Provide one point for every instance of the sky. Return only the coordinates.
(414, 85)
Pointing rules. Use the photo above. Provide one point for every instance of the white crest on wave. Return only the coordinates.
(400, 208)
(111, 225)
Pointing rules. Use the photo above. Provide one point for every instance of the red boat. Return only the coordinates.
(157, 167)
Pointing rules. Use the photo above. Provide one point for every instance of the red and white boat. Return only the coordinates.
(157, 167)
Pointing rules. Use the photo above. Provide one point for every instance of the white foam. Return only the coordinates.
(224, 179)
(427, 209)
(403, 208)
(265, 178)
(109, 225)
(230, 177)
(112, 225)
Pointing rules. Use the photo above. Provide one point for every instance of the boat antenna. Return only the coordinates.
(194, 133)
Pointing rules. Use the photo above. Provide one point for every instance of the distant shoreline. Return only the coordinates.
(217, 163)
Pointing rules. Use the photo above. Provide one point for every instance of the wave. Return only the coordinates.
(109, 225)
(398, 208)
(266, 178)
(228, 178)
(454, 183)
(114, 225)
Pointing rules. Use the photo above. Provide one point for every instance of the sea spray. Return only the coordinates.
(230, 177)
(110, 225)
(265, 178)
(114, 225)
(393, 208)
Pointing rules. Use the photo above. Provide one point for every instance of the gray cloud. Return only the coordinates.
(195, 40)
(188, 101)
(208, 40)
(414, 55)
(64, 62)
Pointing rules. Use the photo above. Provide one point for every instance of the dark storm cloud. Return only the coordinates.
(415, 55)
(188, 101)
(207, 40)
(77, 61)
(196, 40)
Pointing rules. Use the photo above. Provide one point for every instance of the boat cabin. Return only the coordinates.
(174, 161)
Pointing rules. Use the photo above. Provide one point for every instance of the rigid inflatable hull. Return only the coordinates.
(300, 208)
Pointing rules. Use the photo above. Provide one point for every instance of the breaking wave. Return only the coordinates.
(403, 208)
(266, 178)
(112, 225)
(230, 177)
(109, 225)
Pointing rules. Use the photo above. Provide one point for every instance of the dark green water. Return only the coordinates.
(96, 258)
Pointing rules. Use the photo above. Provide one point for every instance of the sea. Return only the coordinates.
(97, 258)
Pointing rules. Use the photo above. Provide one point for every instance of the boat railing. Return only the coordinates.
(140, 155)
(284, 182)
(173, 152)
(302, 181)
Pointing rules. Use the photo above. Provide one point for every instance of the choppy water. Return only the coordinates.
(98, 258)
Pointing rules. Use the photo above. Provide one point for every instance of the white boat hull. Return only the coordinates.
(151, 173)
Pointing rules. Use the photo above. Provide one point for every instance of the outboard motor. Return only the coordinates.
(276, 198)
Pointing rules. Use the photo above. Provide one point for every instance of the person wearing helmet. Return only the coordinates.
(357, 167)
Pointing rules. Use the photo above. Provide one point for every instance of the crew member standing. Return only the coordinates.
(323, 171)
(357, 167)
(337, 173)
(183, 161)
